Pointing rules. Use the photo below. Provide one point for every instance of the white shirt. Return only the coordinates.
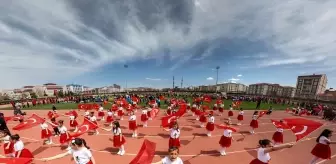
(93, 118)
(262, 156)
(18, 146)
(222, 106)
(175, 133)
(109, 113)
(241, 113)
(227, 133)
(120, 108)
(6, 139)
(211, 119)
(101, 109)
(194, 106)
(81, 156)
(280, 130)
(166, 160)
(116, 131)
(72, 118)
(132, 118)
(231, 108)
(62, 129)
(44, 126)
(324, 140)
(144, 112)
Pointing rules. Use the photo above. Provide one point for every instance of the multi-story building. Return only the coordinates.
(265, 89)
(74, 88)
(232, 88)
(52, 89)
(109, 89)
(328, 95)
(288, 91)
(310, 86)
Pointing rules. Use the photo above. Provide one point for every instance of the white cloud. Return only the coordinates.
(153, 79)
(210, 78)
(233, 80)
(239, 75)
(49, 40)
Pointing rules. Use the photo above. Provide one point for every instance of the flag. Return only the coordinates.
(279, 124)
(84, 128)
(145, 154)
(71, 113)
(14, 118)
(182, 110)
(15, 160)
(51, 114)
(81, 106)
(165, 121)
(29, 123)
(207, 98)
(302, 127)
(222, 126)
(154, 112)
(262, 113)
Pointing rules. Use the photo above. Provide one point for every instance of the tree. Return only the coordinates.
(33, 95)
(60, 94)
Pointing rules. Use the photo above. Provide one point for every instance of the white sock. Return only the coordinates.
(122, 148)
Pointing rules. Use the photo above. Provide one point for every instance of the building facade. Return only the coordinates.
(267, 89)
(74, 88)
(51, 89)
(310, 86)
(232, 88)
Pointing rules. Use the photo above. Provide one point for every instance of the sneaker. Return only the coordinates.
(122, 152)
(209, 134)
(135, 135)
(97, 133)
(119, 152)
(223, 153)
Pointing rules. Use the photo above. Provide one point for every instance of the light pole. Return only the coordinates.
(217, 68)
(126, 66)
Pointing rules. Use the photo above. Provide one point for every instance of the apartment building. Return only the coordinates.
(267, 89)
(328, 95)
(74, 88)
(232, 88)
(310, 86)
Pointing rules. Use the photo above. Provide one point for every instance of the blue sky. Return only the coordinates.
(89, 42)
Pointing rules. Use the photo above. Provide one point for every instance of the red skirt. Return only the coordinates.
(214, 108)
(240, 117)
(257, 161)
(116, 141)
(174, 142)
(120, 113)
(322, 151)
(101, 114)
(203, 119)
(221, 110)
(144, 117)
(45, 133)
(132, 125)
(210, 126)
(25, 153)
(254, 124)
(169, 112)
(10, 149)
(73, 123)
(230, 113)
(193, 110)
(225, 141)
(278, 137)
(109, 119)
(90, 162)
(64, 138)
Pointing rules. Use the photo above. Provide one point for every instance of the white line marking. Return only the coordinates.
(325, 160)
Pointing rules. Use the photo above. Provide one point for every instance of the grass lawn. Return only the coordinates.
(245, 105)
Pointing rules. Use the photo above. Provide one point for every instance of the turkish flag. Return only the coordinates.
(81, 106)
(279, 124)
(15, 160)
(29, 123)
(302, 127)
(262, 113)
(223, 126)
(14, 118)
(71, 113)
(154, 112)
(207, 99)
(85, 127)
(182, 110)
(166, 121)
(95, 106)
(145, 154)
(52, 114)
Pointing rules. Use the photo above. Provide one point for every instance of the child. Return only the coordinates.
(46, 133)
(132, 125)
(225, 141)
(93, 119)
(211, 124)
(118, 138)
(322, 148)
(79, 150)
(19, 150)
(109, 118)
(172, 158)
(144, 117)
(55, 125)
(221, 109)
(121, 113)
(230, 114)
(8, 145)
(174, 140)
(149, 114)
(265, 147)
(202, 119)
(193, 109)
(169, 111)
(278, 135)
(64, 135)
(101, 114)
(73, 122)
(254, 122)
(240, 116)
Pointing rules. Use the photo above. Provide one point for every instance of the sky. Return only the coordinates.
(89, 42)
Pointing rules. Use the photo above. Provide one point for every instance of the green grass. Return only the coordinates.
(245, 105)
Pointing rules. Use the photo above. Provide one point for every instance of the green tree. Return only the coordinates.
(33, 95)
(60, 94)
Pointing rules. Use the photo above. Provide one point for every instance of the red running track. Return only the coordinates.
(196, 148)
